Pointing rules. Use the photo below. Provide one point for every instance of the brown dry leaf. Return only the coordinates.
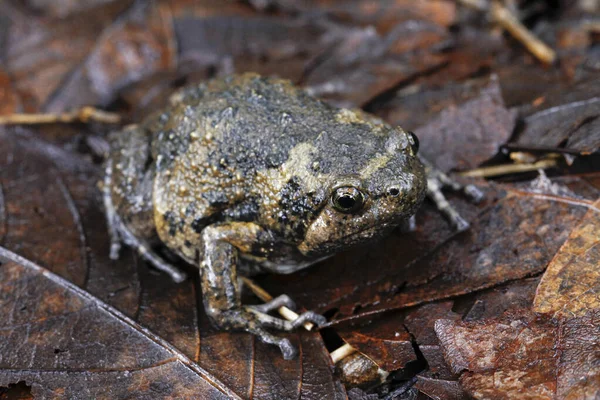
(526, 356)
(386, 342)
(42, 56)
(66, 343)
(137, 44)
(364, 65)
(439, 389)
(384, 15)
(50, 212)
(465, 136)
(9, 101)
(65, 63)
(568, 121)
(571, 284)
(210, 32)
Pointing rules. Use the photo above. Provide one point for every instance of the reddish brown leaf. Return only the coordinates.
(9, 101)
(527, 357)
(464, 137)
(385, 15)
(64, 342)
(571, 122)
(386, 342)
(570, 285)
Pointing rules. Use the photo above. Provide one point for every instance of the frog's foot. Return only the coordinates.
(284, 325)
(251, 322)
(280, 324)
(436, 181)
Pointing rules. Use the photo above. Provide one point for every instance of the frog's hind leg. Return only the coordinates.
(119, 233)
(436, 181)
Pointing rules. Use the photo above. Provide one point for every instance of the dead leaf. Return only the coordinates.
(363, 66)
(525, 356)
(386, 342)
(385, 15)
(9, 101)
(465, 136)
(64, 342)
(570, 122)
(570, 286)
(43, 56)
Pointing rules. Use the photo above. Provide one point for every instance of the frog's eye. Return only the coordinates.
(347, 199)
(414, 142)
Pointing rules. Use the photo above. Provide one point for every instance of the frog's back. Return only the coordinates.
(213, 142)
(246, 122)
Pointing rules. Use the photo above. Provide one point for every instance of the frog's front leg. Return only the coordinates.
(221, 291)
(436, 181)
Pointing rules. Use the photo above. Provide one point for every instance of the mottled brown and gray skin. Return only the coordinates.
(238, 175)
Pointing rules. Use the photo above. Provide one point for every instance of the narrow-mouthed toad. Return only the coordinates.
(245, 173)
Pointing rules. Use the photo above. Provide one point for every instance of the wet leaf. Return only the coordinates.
(64, 342)
(525, 356)
(385, 342)
(571, 122)
(570, 286)
(463, 137)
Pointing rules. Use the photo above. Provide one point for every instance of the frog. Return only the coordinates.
(246, 174)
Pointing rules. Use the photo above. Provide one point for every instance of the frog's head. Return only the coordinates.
(373, 180)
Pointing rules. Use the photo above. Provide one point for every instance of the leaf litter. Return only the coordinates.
(404, 303)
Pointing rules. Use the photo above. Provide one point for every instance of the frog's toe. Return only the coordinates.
(474, 193)
(276, 303)
(309, 316)
(115, 249)
(288, 350)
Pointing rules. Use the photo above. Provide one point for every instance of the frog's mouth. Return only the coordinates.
(370, 232)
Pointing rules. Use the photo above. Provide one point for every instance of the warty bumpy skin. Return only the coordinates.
(244, 174)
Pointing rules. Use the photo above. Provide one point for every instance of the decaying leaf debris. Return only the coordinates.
(507, 309)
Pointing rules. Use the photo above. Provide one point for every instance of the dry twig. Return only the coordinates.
(84, 115)
(507, 20)
(509, 169)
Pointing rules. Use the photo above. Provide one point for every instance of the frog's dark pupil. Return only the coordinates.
(347, 202)
(394, 192)
(347, 199)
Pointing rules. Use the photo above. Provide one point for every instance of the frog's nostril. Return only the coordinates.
(394, 191)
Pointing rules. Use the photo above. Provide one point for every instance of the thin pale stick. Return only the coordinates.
(85, 115)
(509, 169)
(341, 353)
(511, 23)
